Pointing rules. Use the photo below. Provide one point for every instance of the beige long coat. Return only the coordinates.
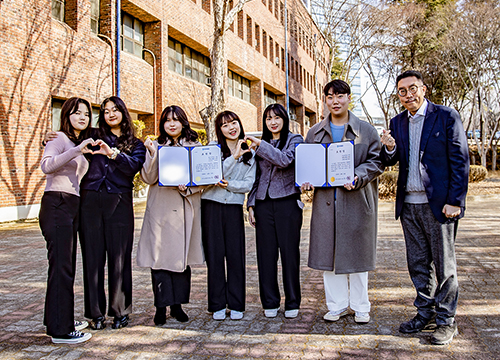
(171, 231)
(343, 234)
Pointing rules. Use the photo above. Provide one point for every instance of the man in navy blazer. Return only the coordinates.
(429, 142)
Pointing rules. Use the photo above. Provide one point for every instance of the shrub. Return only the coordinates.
(202, 136)
(477, 173)
(388, 183)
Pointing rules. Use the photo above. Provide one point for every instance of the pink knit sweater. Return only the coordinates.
(64, 165)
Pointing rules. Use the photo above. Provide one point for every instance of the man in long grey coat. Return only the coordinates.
(344, 219)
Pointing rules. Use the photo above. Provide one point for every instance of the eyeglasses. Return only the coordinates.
(412, 89)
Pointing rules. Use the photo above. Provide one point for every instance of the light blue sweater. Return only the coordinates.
(240, 178)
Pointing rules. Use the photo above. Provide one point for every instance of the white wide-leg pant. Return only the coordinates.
(346, 290)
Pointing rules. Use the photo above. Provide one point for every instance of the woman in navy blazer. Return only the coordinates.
(275, 210)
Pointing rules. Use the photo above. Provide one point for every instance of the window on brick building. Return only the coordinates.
(276, 9)
(249, 31)
(271, 49)
(270, 97)
(264, 43)
(58, 9)
(238, 86)
(282, 14)
(132, 35)
(257, 37)
(277, 56)
(282, 59)
(188, 62)
(95, 9)
(271, 6)
(231, 27)
(240, 25)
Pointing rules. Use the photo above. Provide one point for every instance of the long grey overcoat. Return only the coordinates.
(343, 235)
(171, 230)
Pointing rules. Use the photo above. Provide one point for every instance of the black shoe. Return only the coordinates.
(418, 323)
(98, 323)
(444, 334)
(74, 337)
(160, 316)
(177, 313)
(120, 322)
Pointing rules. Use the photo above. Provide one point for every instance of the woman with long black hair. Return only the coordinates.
(223, 225)
(64, 164)
(275, 210)
(107, 216)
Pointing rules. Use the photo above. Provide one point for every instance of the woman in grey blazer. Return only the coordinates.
(275, 210)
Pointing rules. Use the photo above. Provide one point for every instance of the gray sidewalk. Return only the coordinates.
(23, 268)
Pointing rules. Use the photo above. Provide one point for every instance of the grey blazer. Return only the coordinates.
(275, 171)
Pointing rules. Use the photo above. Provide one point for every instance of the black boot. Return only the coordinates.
(177, 313)
(160, 316)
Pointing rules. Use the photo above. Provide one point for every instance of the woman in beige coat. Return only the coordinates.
(171, 232)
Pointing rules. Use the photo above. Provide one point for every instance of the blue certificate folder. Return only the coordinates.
(189, 165)
(324, 165)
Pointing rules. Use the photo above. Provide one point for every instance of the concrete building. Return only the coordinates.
(55, 49)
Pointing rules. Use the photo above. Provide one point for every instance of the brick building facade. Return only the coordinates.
(55, 49)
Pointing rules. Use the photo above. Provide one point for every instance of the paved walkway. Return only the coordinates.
(23, 270)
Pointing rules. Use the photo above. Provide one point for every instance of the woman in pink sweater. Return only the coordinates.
(64, 164)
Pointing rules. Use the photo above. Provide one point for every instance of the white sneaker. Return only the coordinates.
(219, 315)
(362, 317)
(335, 315)
(271, 313)
(74, 337)
(291, 314)
(80, 325)
(236, 315)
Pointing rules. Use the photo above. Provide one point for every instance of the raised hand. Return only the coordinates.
(104, 148)
(255, 142)
(388, 140)
(84, 146)
(149, 144)
(239, 151)
(306, 187)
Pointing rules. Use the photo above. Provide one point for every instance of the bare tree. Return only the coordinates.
(223, 18)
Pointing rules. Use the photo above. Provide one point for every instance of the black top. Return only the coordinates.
(116, 175)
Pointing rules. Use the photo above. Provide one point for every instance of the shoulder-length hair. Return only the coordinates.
(178, 114)
(279, 111)
(127, 138)
(70, 107)
(221, 119)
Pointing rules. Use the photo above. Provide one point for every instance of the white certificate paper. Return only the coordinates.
(310, 164)
(206, 165)
(173, 166)
(340, 163)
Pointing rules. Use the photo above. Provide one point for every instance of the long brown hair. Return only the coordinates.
(70, 107)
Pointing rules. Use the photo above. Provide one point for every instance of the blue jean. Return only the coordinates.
(430, 253)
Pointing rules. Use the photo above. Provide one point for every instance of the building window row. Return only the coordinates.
(238, 86)
(132, 35)
(187, 62)
(61, 8)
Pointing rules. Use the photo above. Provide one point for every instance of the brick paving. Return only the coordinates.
(23, 268)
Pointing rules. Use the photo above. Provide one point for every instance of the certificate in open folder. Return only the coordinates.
(189, 165)
(324, 165)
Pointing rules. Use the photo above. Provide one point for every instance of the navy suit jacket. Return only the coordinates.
(444, 159)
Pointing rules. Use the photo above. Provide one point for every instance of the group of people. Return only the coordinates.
(89, 190)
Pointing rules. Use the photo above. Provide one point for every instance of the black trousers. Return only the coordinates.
(432, 264)
(171, 288)
(278, 223)
(223, 234)
(59, 224)
(107, 228)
